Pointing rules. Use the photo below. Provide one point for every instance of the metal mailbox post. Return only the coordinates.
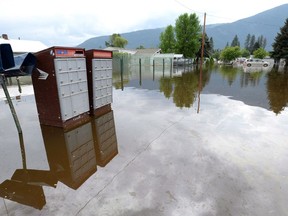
(60, 87)
(99, 73)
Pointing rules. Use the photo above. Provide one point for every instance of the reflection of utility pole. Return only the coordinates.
(140, 72)
(201, 64)
(121, 73)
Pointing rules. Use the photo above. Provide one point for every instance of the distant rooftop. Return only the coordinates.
(120, 50)
(22, 46)
(150, 51)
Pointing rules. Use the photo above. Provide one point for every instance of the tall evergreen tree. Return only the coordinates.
(260, 40)
(235, 41)
(251, 44)
(264, 43)
(256, 46)
(207, 48)
(211, 41)
(247, 42)
(280, 45)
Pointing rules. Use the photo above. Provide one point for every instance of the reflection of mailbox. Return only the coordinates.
(31, 195)
(71, 155)
(105, 138)
(60, 87)
(99, 72)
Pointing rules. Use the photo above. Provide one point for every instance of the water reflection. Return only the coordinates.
(265, 88)
(105, 140)
(251, 78)
(73, 157)
(277, 90)
(229, 73)
(183, 89)
(25, 185)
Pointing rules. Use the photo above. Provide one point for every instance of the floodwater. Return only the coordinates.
(174, 143)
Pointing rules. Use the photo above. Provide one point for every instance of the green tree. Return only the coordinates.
(167, 40)
(216, 54)
(140, 47)
(230, 53)
(235, 42)
(187, 32)
(260, 53)
(280, 45)
(245, 53)
(115, 40)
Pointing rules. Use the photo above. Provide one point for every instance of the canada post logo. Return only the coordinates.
(61, 52)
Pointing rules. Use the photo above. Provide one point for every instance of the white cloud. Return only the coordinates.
(72, 22)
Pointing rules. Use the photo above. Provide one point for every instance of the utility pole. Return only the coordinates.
(201, 63)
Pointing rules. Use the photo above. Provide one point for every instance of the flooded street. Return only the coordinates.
(168, 149)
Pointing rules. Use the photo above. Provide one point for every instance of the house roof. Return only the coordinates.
(120, 50)
(24, 46)
(151, 51)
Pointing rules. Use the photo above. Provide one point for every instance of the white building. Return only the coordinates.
(22, 46)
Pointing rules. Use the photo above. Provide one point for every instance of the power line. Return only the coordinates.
(226, 18)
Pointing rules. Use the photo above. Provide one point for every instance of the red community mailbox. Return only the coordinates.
(61, 87)
(99, 73)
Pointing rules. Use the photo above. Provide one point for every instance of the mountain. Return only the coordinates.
(148, 38)
(267, 23)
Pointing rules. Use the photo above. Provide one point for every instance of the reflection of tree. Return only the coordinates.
(185, 88)
(166, 86)
(252, 78)
(119, 82)
(277, 90)
(229, 73)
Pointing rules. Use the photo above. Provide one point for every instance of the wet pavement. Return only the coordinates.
(219, 155)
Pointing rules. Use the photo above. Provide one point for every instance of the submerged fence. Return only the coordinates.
(137, 64)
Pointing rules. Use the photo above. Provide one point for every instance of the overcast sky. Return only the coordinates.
(69, 23)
